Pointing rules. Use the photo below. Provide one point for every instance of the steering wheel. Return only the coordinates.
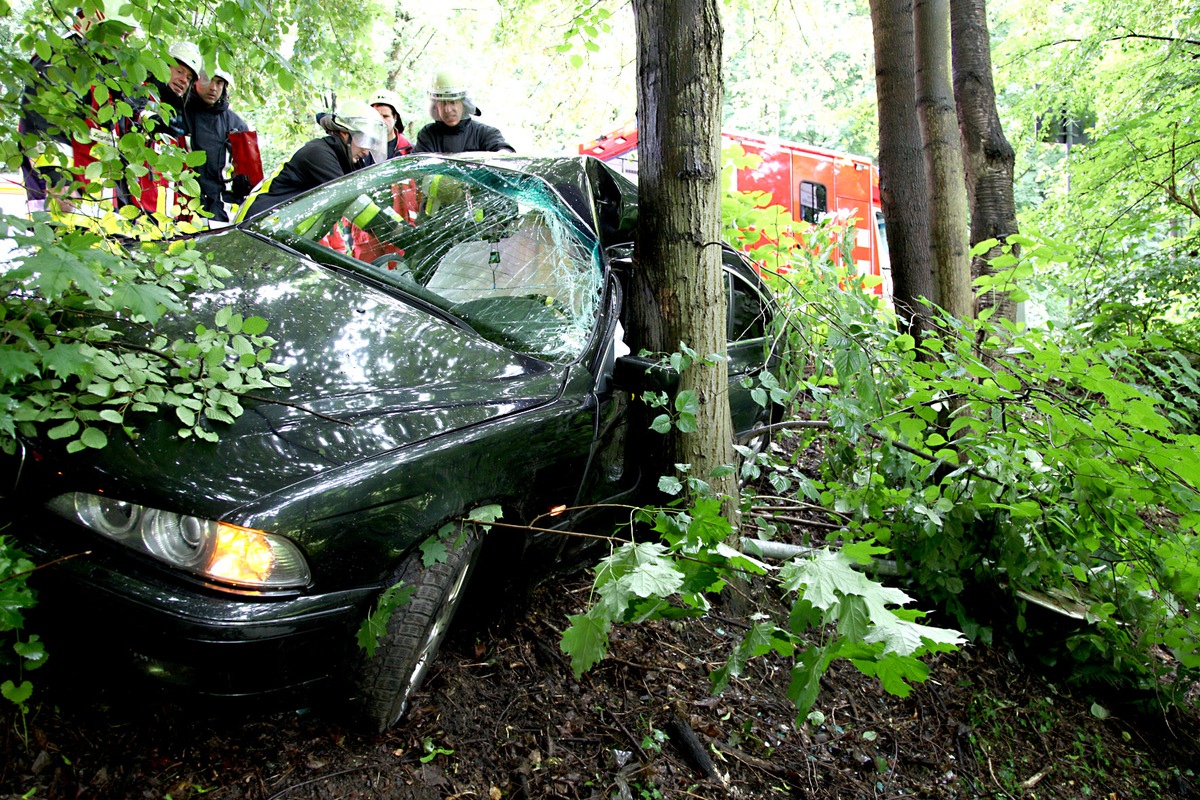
(396, 267)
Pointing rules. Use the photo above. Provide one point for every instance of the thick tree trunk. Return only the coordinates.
(678, 293)
(988, 156)
(943, 158)
(903, 189)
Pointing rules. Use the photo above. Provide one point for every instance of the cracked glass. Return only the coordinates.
(492, 248)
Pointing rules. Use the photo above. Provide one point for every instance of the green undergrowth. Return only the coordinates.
(1008, 470)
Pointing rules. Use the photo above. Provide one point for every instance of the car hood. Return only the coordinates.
(370, 372)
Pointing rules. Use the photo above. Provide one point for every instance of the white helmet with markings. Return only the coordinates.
(447, 85)
(187, 54)
(366, 128)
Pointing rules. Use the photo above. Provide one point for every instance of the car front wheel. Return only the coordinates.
(384, 683)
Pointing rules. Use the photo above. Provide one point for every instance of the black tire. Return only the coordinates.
(385, 682)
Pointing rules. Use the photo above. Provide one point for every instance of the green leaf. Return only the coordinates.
(376, 623)
(254, 326)
(16, 694)
(485, 514)
(64, 431)
(806, 679)
(854, 618)
(433, 550)
(669, 484)
(895, 673)
(32, 651)
(644, 569)
(687, 402)
(94, 438)
(585, 640)
(147, 300)
(16, 364)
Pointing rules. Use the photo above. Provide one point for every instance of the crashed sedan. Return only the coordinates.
(452, 332)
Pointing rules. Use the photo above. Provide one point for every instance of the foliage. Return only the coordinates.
(15, 596)
(819, 608)
(1124, 195)
(826, 610)
(998, 463)
(90, 302)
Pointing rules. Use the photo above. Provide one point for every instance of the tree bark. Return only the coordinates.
(943, 158)
(678, 291)
(987, 155)
(903, 189)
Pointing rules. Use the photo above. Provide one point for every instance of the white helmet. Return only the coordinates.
(366, 128)
(187, 54)
(445, 85)
(386, 97)
(221, 72)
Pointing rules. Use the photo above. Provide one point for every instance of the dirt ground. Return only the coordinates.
(502, 716)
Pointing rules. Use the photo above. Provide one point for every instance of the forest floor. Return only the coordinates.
(501, 715)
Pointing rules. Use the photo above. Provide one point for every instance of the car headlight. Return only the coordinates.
(217, 550)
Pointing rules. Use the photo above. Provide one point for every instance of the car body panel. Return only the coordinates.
(413, 400)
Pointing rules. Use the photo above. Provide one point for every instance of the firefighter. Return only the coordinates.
(46, 173)
(356, 134)
(387, 103)
(174, 92)
(453, 130)
(209, 120)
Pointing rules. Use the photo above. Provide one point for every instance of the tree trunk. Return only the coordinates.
(943, 158)
(903, 191)
(679, 292)
(987, 154)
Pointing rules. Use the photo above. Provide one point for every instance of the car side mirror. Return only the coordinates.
(639, 374)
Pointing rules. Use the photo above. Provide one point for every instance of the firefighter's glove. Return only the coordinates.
(240, 188)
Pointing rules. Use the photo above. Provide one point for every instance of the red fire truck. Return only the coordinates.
(807, 181)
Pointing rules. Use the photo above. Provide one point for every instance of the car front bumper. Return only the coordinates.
(98, 606)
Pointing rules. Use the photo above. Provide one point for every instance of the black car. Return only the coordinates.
(452, 332)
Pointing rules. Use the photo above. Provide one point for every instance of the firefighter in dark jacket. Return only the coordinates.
(356, 134)
(453, 129)
(209, 120)
(174, 93)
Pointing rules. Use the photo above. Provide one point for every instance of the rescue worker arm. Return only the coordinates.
(495, 142)
(424, 142)
(322, 166)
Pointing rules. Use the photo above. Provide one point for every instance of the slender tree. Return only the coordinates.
(943, 157)
(987, 155)
(678, 288)
(903, 192)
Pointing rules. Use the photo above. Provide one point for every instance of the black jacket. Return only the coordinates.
(466, 136)
(317, 162)
(209, 127)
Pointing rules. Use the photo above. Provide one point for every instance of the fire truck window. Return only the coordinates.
(812, 201)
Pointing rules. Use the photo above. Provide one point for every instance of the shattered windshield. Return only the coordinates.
(495, 248)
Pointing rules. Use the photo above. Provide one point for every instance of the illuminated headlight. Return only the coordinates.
(218, 550)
